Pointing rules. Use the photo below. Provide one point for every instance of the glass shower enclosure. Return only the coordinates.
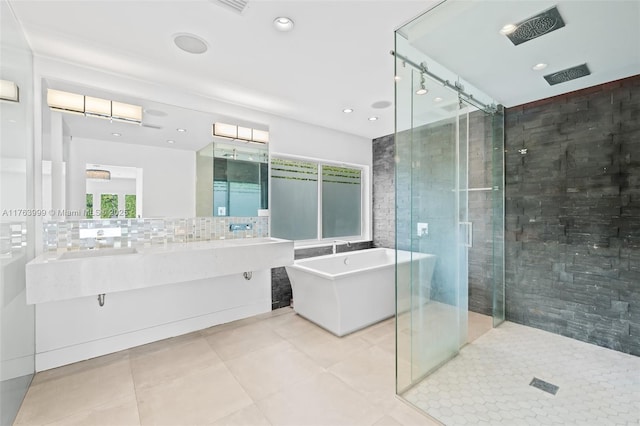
(449, 148)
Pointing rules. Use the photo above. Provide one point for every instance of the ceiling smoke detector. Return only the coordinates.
(190, 43)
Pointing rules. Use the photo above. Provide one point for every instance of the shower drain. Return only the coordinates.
(545, 386)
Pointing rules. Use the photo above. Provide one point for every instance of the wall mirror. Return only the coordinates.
(169, 162)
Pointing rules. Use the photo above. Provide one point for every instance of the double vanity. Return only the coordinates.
(94, 302)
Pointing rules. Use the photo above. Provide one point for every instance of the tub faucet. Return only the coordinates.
(336, 242)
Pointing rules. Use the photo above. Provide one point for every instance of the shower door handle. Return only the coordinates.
(466, 229)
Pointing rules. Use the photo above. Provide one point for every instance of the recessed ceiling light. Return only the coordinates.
(282, 23)
(190, 43)
(540, 66)
(181, 130)
(508, 29)
(347, 110)
(373, 118)
(117, 135)
(171, 142)
(437, 99)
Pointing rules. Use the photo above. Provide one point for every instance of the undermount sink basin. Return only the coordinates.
(97, 253)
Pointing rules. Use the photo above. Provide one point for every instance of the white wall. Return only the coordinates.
(169, 175)
(287, 136)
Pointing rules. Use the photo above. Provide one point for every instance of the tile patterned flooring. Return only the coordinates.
(273, 369)
(280, 369)
(488, 382)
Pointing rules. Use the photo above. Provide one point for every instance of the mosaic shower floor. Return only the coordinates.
(488, 383)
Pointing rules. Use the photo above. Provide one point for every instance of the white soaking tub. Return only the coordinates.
(348, 291)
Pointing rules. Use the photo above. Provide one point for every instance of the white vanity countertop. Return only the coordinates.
(67, 275)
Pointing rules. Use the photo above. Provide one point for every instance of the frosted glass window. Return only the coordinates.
(294, 199)
(341, 201)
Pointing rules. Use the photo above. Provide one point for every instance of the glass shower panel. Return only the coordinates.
(497, 180)
(431, 167)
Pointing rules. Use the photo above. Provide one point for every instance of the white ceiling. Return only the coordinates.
(338, 53)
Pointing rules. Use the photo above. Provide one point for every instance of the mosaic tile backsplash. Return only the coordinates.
(13, 238)
(115, 233)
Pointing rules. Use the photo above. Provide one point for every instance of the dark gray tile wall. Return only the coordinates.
(281, 293)
(384, 192)
(573, 215)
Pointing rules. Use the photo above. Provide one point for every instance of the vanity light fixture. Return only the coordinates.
(282, 23)
(9, 91)
(126, 112)
(98, 174)
(96, 107)
(65, 101)
(248, 134)
(261, 136)
(74, 103)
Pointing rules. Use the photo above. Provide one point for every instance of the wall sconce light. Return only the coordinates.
(9, 91)
(65, 101)
(248, 134)
(93, 107)
(96, 107)
(126, 112)
(98, 174)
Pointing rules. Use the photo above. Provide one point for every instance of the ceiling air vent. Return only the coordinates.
(237, 6)
(536, 26)
(567, 75)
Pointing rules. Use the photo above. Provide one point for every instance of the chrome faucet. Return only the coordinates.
(336, 242)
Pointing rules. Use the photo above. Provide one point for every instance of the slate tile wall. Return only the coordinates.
(573, 215)
(384, 192)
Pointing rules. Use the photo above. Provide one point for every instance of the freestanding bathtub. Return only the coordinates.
(348, 291)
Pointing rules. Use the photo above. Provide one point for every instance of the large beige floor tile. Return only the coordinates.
(78, 367)
(249, 416)
(240, 341)
(322, 400)
(383, 331)
(116, 413)
(406, 415)
(228, 326)
(270, 369)
(371, 372)
(199, 398)
(84, 390)
(325, 348)
(291, 325)
(171, 361)
(387, 420)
